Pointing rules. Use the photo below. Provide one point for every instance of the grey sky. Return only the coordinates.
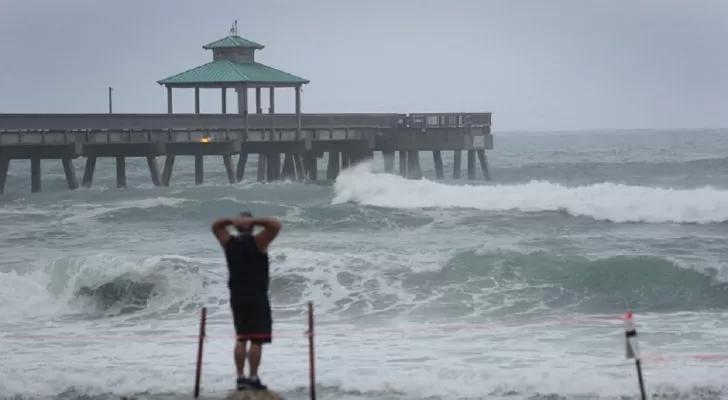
(557, 64)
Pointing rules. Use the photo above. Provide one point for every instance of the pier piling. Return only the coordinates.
(4, 166)
(35, 182)
(154, 170)
(457, 164)
(120, 172)
(199, 169)
(240, 170)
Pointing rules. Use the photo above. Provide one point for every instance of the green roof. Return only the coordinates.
(226, 71)
(233, 41)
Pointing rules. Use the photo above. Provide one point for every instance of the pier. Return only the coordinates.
(298, 139)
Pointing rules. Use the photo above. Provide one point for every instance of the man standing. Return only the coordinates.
(247, 260)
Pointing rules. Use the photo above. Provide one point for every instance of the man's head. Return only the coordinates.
(245, 228)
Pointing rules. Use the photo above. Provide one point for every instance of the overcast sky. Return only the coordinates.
(537, 65)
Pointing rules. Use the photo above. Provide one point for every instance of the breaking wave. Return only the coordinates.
(604, 202)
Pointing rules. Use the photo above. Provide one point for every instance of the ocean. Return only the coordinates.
(509, 289)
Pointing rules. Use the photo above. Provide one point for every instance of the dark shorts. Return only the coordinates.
(252, 319)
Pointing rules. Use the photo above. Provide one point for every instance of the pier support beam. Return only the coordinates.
(403, 163)
(88, 173)
(413, 165)
(457, 164)
(345, 160)
(240, 170)
(227, 160)
(289, 169)
(120, 172)
(199, 169)
(167, 171)
(388, 161)
(471, 165)
(154, 170)
(262, 164)
(70, 173)
(35, 175)
(299, 170)
(484, 164)
(310, 163)
(273, 167)
(4, 165)
(437, 160)
(332, 172)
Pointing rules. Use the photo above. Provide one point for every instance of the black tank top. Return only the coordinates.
(248, 268)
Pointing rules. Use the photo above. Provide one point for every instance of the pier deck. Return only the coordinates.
(301, 138)
(347, 138)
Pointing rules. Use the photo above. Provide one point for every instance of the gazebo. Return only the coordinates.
(233, 66)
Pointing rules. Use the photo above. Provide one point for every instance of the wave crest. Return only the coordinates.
(605, 201)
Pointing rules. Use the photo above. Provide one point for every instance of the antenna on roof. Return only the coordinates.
(234, 29)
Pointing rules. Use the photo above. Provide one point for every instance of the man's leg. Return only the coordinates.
(240, 345)
(239, 319)
(262, 322)
(256, 351)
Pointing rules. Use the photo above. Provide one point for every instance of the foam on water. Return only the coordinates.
(604, 201)
(422, 289)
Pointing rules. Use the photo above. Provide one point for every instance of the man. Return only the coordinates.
(247, 260)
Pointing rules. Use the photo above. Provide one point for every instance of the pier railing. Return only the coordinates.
(122, 122)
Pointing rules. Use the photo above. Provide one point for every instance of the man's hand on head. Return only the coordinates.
(243, 222)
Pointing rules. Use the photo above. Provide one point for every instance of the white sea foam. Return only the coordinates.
(604, 201)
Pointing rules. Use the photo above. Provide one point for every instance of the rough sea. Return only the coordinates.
(509, 289)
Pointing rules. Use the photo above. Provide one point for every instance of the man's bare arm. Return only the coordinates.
(271, 227)
(219, 229)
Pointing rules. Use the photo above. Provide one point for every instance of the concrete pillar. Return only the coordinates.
(298, 167)
(345, 159)
(167, 171)
(413, 165)
(484, 164)
(471, 164)
(240, 170)
(332, 172)
(437, 159)
(298, 112)
(120, 172)
(242, 99)
(273, 167)
(224, 100)
(227, 159)
(70, 173)
(35, 175)
(457, 164)
(88, 173)
(258, 100)
(289, 172)
(199, 169)
(388, 161)
(4, 165)
(154, 170)
(243, 107)
(403, 163)
(197, 100)
(169, 100)
(271, 100)
(262, 165)
(311, 165)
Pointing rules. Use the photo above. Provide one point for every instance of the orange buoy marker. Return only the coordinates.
(632, 349)
(198, 374)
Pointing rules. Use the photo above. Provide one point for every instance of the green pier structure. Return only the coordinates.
(300, 139)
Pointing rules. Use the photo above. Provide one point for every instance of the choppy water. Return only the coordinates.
(423, 290)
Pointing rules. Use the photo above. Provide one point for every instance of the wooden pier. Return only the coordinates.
(300, 139)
